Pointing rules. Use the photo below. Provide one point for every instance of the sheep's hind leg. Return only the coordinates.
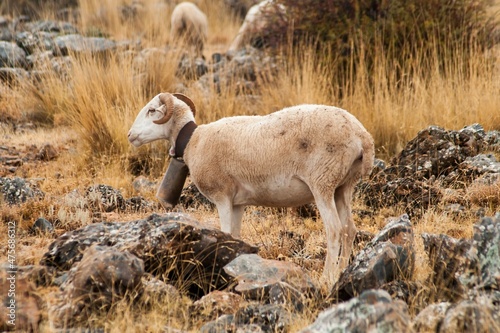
(230, 218)
(343, 198)
(332, 224)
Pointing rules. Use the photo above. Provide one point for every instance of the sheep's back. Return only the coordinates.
(279, 142)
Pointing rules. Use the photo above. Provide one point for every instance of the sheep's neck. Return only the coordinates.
(183, 138)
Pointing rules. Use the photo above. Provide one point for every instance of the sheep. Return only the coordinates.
(298, 155)
(255, 23)
(189, 24)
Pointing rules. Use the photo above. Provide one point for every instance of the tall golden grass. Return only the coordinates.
(101, 98)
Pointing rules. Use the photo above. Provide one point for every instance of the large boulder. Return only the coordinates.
(173, 246)
(372, 311)
(103, 276)
(389, 256)
(11, 55)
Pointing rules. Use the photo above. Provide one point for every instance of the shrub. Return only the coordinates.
(397, 30)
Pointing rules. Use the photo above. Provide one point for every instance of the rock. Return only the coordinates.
(11, 75)
(270, 318)
(483, 269)
(406, 291)
(42, 226)
(174, 247)
(142, 184)
(435, 154)
(257, 276)
(47, 153)
(215, 304)
(388, 257)
(446, 258)
(137, 204)
(104, 198)
(17, 190)
(372, 311)
(104, 272)
(11, 55)
(191, 198)
(39, 41)
(191, 69)
(103, 276)
(20, 304)
(430, 318)
(468, 316)
(386, 190)
(223, 324)
(251, 318)
(156, 291)
(77, 44)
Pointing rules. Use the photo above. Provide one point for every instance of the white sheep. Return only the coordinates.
(255, 23)
(288, 158)
(188, 24)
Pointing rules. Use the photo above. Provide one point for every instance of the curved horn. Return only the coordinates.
(188, 101)
(168, 101)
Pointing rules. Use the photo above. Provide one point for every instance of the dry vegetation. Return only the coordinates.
(87, 115)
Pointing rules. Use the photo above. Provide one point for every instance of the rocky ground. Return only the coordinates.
(233, 289)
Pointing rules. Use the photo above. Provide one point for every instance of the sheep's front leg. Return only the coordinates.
(230, 218)
(332, 224)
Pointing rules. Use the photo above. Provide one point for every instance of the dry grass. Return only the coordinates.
(87, 115)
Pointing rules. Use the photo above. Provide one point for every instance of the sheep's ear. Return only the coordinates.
(168, 101)
(188, 101)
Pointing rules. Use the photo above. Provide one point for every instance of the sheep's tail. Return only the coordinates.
(367, 157)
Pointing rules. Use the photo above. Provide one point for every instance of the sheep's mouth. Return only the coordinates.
(133, 139)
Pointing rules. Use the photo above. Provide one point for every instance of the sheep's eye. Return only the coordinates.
(150, 111)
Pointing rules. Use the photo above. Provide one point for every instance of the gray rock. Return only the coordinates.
(434, 154)
(104, 272)
(223, 324)
(174, 247)
(388, 257)
(42, 226)
(47, 153)
(215, 304)
(141, 184)
(257, 276)
(372, 311)
(58, 27)
(35, 42)
(468, 316)
(191, 68)
(139, 204)
(156, 291)
(447, 259)
(483, 271)
(430, 318)
(11, 55)
(191, 197)
(105, 198)
(77, 44)
(17, 190)
(270, 318)
(480, 164)
(11, 75)
(103, 276)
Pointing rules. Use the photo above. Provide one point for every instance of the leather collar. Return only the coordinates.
(183, 139)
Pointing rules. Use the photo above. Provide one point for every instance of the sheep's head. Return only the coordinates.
(153, 121)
